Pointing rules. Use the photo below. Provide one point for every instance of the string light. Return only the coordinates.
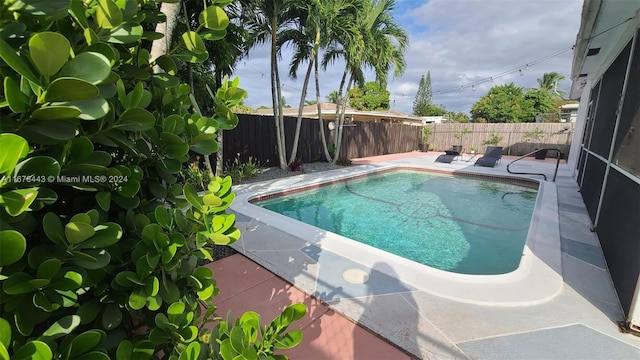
(252, 67)
(518, 69)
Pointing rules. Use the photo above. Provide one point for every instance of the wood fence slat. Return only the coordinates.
(513, 136)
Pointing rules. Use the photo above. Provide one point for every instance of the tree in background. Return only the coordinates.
(242, 109)
(540, 103)
(434, 110)
(319, 20)
(422, 105)
(502, 104)
(378, 42)
(370, 96)
(270, 18)
(333, 97)
(423, 97)
(458, 117)
(549, 83)
(510, 103)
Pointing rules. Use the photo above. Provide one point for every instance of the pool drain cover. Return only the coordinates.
(355, 276)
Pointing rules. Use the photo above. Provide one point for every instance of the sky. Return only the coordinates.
(468, 46)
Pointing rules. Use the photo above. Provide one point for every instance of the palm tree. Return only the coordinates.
(269, 19)
(333, 97)
(320, 21)
(380, 44)
(386, 41)
(549, 83)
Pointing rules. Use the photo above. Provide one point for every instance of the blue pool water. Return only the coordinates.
(453, 223)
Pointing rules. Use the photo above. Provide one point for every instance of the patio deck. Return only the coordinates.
(395, 320)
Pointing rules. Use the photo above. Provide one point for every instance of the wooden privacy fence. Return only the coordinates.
(255, 136)
(514, 139)
(364, 139)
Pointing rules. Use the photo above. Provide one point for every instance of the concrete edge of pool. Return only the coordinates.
(537, 280)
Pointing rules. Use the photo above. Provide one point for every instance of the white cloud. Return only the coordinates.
(459, 42)
(406, 87)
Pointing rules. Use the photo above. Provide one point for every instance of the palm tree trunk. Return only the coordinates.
(341, 120)
(283, 140)
(340, 108)
(340, 99)
(322, 136)
(275, 96)
(161, 46)
(296, 137)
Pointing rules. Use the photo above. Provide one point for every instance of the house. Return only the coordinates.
(605, 151)
(569, 112)
(434, 119)
(328, 111)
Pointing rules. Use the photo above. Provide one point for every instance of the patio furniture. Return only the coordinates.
(450, 155)
(446, 158)
(491, 156)
(470, 156)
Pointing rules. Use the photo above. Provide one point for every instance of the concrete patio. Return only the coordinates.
(389, 317)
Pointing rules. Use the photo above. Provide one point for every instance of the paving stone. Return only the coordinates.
(589, 281)
(585, 252)
(570, 342)
(396, 317)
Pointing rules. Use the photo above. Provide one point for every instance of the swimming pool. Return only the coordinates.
(459, 224)
(316, 260)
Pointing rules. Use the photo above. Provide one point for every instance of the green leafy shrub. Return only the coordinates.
(99, 244)
(460, 135)
(494, 139)
(535, 135)
(243, 170)
(246, 338)
(426, 133)
(331, 148)
(195, 174)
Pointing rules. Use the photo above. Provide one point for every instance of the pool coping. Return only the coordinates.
(537, 279)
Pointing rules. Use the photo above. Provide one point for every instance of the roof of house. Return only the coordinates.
(570, 106)
(603, 24)
(329, 111)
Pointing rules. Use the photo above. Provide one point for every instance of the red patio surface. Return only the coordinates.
(245, 285)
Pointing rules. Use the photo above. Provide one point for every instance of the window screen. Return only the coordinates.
(610, 93)
(619, 233)
(592, 184)
(593, 105)
(627, 150)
